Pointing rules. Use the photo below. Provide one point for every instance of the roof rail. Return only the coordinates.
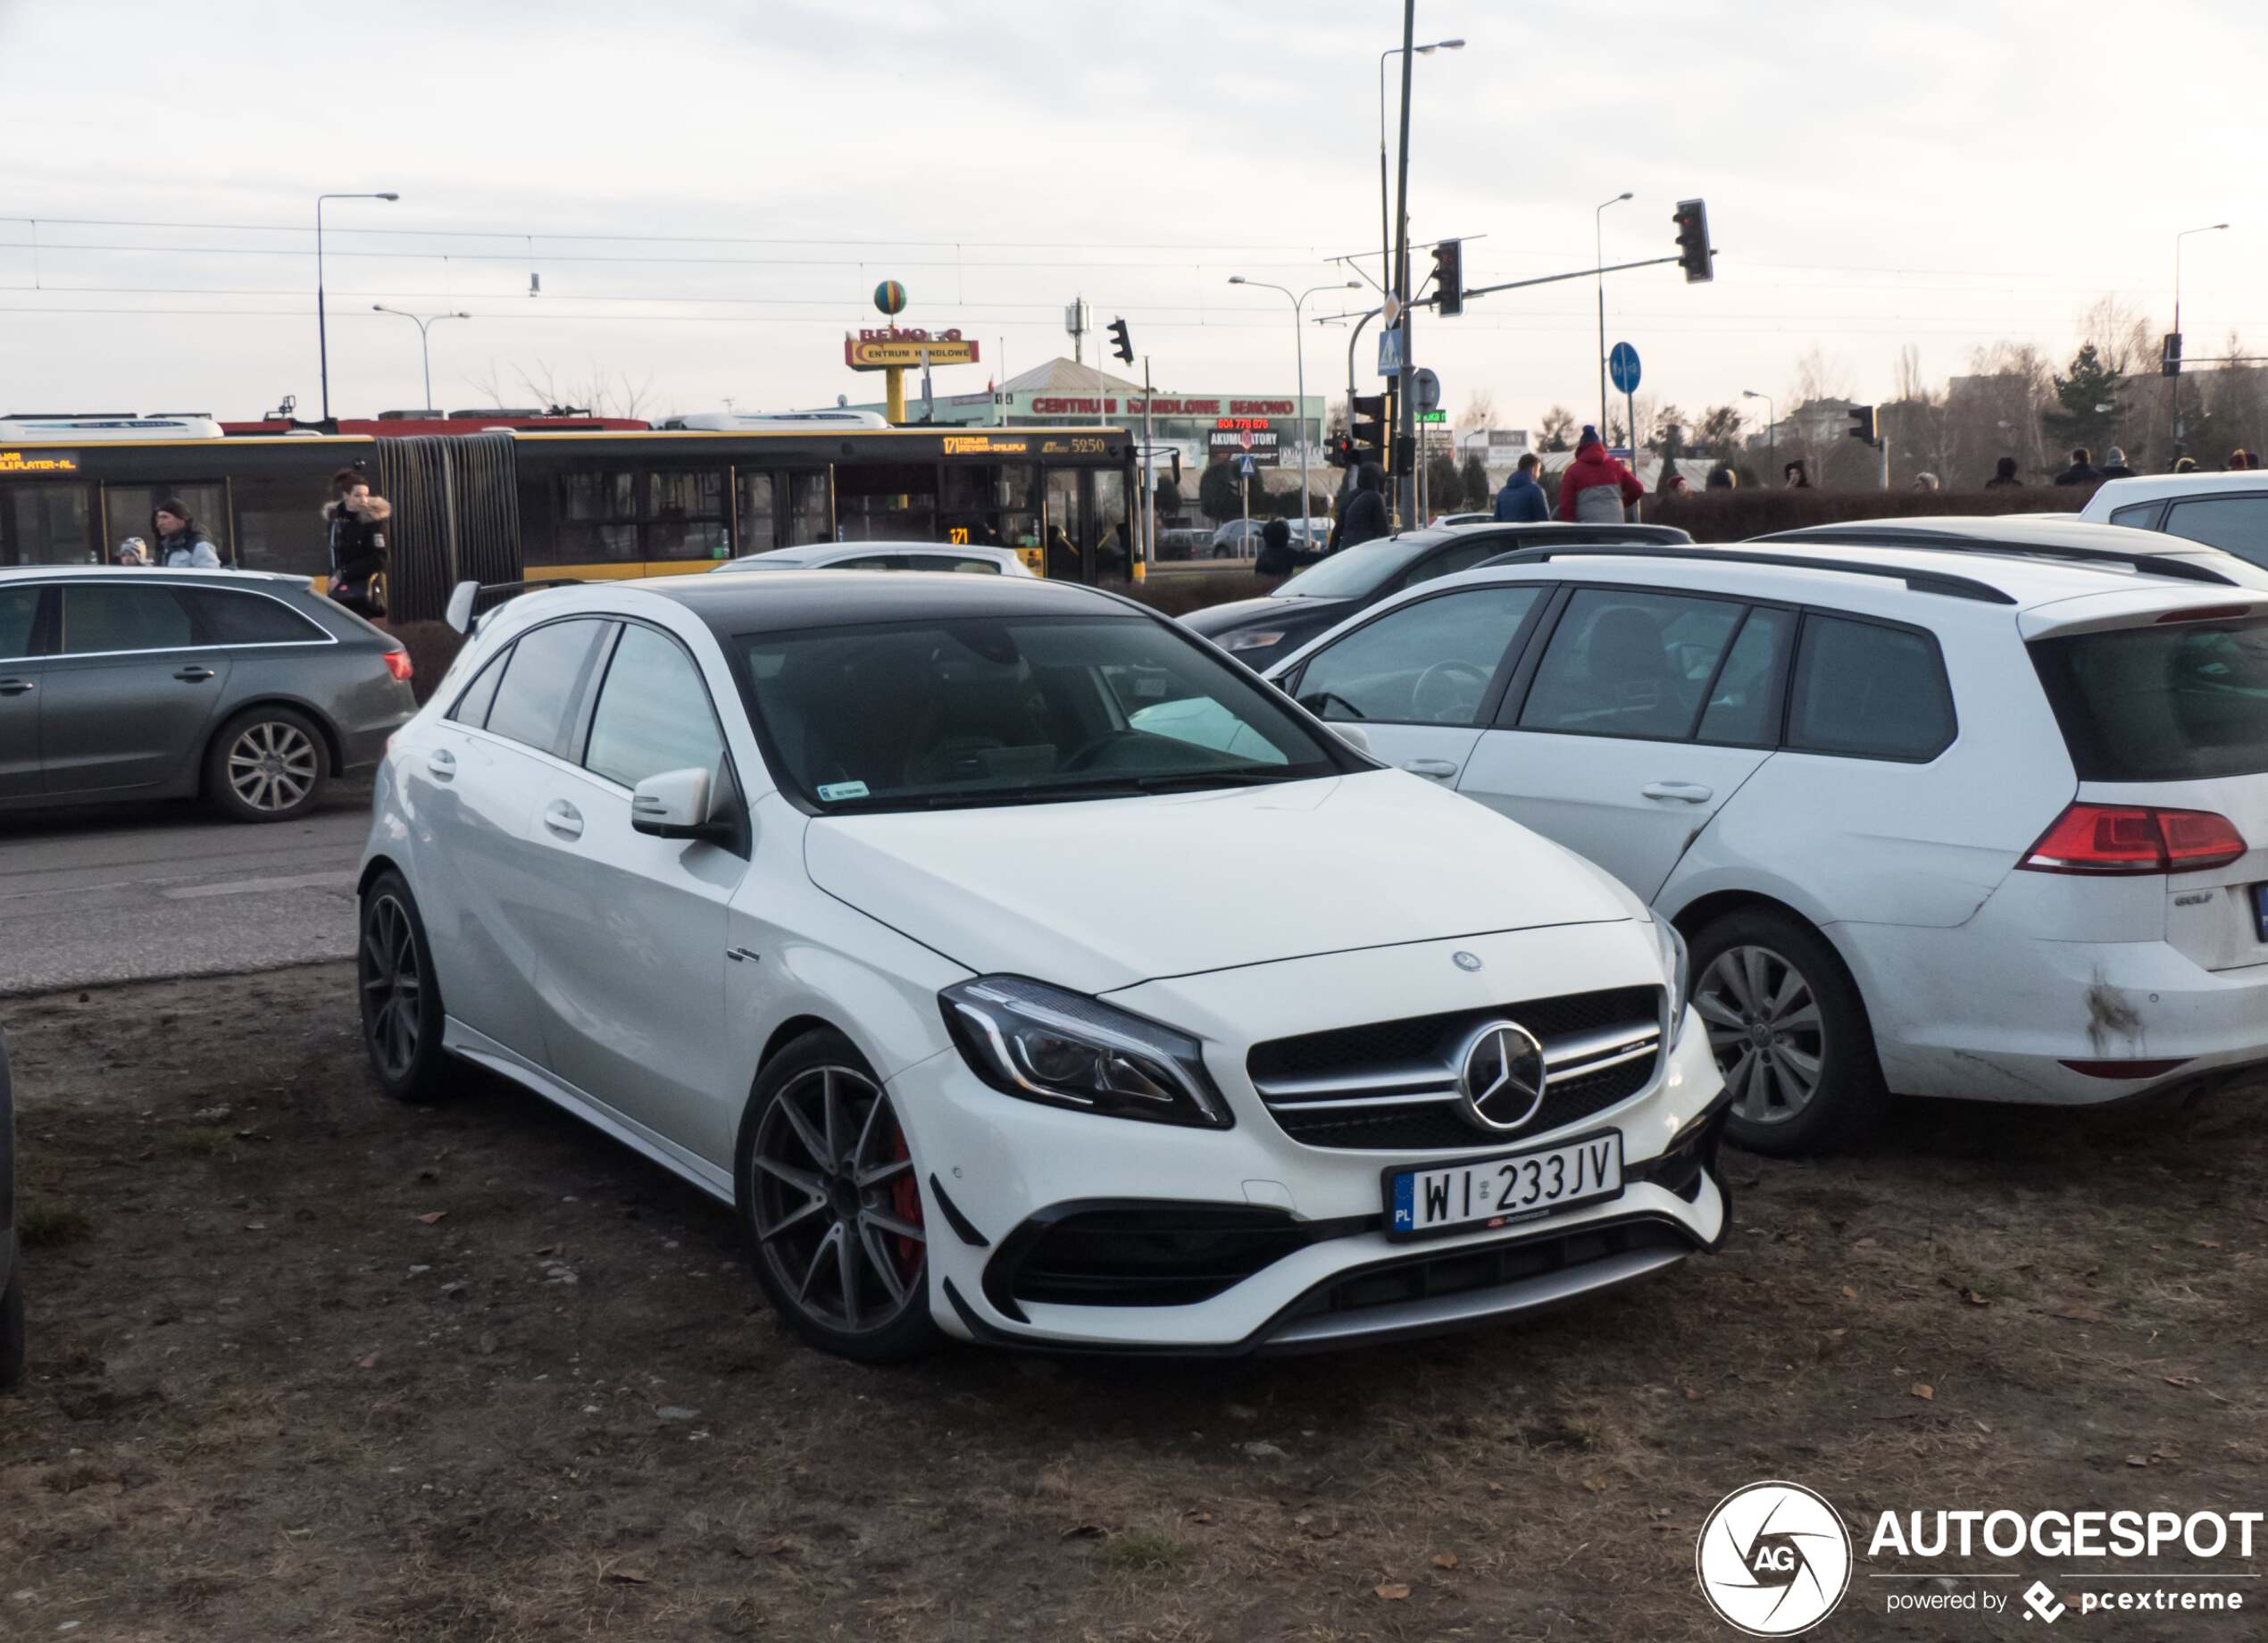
(465, 597)
(2176, 568)
(1920, 581)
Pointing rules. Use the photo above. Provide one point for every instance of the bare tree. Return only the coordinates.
(598, 390)
(1479, 410)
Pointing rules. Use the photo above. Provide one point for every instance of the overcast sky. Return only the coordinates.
(1941, 173)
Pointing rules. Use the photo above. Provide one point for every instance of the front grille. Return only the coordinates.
(1392, 1086)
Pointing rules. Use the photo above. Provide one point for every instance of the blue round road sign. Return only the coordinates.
(1621, 368)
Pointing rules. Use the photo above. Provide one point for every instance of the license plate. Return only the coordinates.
(2260, 910)
(1513, 1187)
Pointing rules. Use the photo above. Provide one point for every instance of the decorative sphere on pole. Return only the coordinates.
(889, 296)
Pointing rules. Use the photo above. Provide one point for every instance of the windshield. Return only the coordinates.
(1355, 573)
(2178, 702)
(943, 713)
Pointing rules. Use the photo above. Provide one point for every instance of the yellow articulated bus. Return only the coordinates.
(507, 505)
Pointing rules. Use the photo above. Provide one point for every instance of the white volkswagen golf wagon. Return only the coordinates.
(1023, 972)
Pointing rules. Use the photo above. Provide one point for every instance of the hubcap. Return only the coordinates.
(272, 766)
(1765, 1027)
(839, 1216)
(393, 986)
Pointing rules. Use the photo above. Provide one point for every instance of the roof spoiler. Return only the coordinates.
(461, 613)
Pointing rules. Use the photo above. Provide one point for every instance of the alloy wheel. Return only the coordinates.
(838, 1211)
(393, 987)
(272, 766)
(1765, 1026)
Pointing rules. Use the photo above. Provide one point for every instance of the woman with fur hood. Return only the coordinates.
(357, 522)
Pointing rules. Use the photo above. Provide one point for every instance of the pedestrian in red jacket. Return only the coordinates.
(1596, 488)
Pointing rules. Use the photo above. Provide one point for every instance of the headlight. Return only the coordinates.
(1041, 1043)
(1252, 638)
(1673, 972)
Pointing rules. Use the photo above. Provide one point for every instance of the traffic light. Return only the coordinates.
(1121, 344)
(1366, 429)
(2170, 355)
(1448, 277)
(1338, 451)
(1863, 428)
(1694, 253)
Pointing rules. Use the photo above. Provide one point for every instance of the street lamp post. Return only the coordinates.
(424, 352)
(1749, 393)
(1385, 234)
(2178, 238)
(1299, 344)
(322, 332)
(1599, 248)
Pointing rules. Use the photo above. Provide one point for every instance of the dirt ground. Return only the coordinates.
(307, 1364)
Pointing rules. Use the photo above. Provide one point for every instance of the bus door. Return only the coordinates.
(784, 507)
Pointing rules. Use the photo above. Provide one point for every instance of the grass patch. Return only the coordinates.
(1142, 1551)
(46, 1226)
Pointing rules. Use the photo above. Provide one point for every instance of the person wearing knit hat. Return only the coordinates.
(1596, 488)
(2115, 466)
(181, 542)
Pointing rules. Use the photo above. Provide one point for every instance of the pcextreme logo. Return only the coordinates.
(1773, 1559)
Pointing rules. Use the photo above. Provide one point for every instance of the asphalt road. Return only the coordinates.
(145, 891)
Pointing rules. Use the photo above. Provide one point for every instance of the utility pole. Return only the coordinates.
(1406, 399)
(1141, 571)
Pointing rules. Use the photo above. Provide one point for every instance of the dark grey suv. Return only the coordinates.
(249, 689)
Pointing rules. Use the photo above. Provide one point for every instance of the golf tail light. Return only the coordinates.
(2133, 838)
(398, 663)
(1061, 1049)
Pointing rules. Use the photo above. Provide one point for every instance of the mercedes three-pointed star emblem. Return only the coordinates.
(1501, 1075)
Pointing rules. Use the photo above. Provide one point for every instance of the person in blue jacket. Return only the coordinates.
(1522, 501)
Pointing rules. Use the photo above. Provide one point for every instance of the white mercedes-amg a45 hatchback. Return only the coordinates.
(1022, 971)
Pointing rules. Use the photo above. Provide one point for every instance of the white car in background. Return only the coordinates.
(911, 918)
(2227, 511)
(949, 556)
(1946, 807)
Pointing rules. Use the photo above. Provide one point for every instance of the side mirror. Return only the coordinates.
(458, 612)
(675, 804)
(1354, 736)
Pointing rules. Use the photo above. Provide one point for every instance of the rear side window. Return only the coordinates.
(1744, 704)
(19, 616)
(2141, 515)
(1869, 691)
(1629, 663)
(249, 619)
(100, 618)
(544, 682)
(473, 706)
(2236, 524)
(2181, 703)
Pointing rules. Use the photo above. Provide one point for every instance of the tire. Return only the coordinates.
(1791, 1033)
(12, 1331)
(267, 765)
(400, 996)
(827, 1191)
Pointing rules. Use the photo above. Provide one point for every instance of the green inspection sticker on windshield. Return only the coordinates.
(832, 790)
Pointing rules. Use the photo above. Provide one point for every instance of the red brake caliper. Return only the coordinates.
(905, 1199)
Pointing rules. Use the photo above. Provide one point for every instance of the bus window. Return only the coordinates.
(280, 524)
(759, 507)
(886, 502)
(597, 517)
(811, 501)
(685, 516)
(127, 510)
(46, 523)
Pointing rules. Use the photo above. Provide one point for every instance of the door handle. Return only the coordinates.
(1440, 769)
(442, 762)
(194, 674)
(563, 819)
(1690, 792)
(16, 687)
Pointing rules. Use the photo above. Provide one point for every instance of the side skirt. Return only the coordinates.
(478, 1048)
